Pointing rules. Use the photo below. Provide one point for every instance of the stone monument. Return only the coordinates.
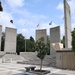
(54, 38)
(41, 33)
(0, 36)
(67, 18)
(10, 40)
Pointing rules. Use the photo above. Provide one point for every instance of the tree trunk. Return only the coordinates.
(41, 66)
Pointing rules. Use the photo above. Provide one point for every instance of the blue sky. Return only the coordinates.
(26, 14)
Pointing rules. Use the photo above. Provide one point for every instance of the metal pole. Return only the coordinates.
(25, 39)
(25, 44)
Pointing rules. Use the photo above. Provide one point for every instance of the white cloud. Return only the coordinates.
(27, 32)
(15, 3)
(29, 15)
(29, 19)
(60, 6)
(28, 22)
(73, 26)
(62, 30)
(21, 22)
(47, 26)
(5, 20)
(31, 32)
(72, 7)
(24, 31)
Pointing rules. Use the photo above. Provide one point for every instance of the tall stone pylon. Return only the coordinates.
(54, 38)
(67, 23)
(0, 36)
(10, 40)
(41, 33)
(1, 8)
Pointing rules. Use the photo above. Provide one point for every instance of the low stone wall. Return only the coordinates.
(2, 53)
(31, 58)
(65, 59)
(0, 60)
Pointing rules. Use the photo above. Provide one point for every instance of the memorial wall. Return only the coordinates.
(67, 18)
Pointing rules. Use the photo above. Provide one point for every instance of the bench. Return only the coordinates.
(30, 68)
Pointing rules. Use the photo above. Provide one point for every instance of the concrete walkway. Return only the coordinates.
(19, 69)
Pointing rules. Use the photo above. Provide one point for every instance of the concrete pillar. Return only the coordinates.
(10, 40)
(54, 38)
(0, 36)
(67, 18)
(41, 33)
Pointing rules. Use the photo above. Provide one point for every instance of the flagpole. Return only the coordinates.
(25, 42)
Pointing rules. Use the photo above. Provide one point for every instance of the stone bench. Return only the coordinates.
(30, 68)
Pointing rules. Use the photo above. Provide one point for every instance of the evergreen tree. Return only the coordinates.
(63, 41)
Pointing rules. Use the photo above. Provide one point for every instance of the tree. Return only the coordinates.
(48, 45)
(2, 41)
(41, 49)
(73, 39)
(63, 41)
(30, 44)
(20, 43)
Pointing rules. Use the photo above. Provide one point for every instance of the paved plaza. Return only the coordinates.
(19, 69)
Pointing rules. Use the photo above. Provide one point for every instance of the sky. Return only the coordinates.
(27, 14)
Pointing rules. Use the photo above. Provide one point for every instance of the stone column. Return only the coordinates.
(0, 36)
(10, 40)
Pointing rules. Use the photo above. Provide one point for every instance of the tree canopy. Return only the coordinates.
(30, 44)
(2, 41)
(63, 41)
(20, 43)
(73, 39)
(41, 49)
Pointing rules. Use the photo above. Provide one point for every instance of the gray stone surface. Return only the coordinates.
(31, 58)
(41, 33)
(0, 36)
(65, 59)
(54, 38)
(8, 58)
(2, 53)
(10, 40)
(19, 69)
(67, 18)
